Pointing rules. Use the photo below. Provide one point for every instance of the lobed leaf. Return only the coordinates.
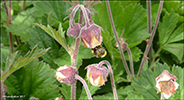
(58, 10)
(11, 67)
(34, 80)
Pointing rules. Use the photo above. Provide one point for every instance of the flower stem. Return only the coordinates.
(111, 76)
(74, 58)
(9, 22)
(151, 39)
(117, 39)
(24, 5)
(85, 86)
(149, 29)
(131, 61)
(85, 15)
(2, 91)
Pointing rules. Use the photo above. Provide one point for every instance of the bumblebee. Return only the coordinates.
(99, 51)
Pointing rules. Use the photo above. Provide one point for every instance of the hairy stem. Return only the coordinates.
(24, 5)
(85, 86)
(9, 22)
(111, 76)
(131, 61)
(151, 39)
(74, 58)
(5, 7)
(85, 15)
(149, 29)
(2, 91)
(117, 39)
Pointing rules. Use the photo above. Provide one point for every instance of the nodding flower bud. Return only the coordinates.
(91, 36)
(66, 74)
(97, 75)
(74, 30)
(123, 44)
(166, 84)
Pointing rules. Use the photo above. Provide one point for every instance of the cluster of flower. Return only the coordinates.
(90, 35)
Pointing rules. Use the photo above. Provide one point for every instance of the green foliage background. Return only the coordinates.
(37, 79)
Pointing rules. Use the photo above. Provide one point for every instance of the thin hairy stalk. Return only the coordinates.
(111, 76)
(149, 42)
(2, 91)
(85, 86)
(24, 5)
(9, 22)
(74, 58)
(117, 39)
(85, 15)
(131, 61)
(6, 9)
(149, 29)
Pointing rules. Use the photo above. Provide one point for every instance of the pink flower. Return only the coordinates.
(166, 84)
(96, 74)
(74, 30)
(66, 74)
(91, 36)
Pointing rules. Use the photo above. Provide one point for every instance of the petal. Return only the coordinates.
(61, 68)
(99, 81)
(176, 85)
(60, 75)
(167, 96)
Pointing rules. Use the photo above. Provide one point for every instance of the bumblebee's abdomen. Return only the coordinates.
(99, 51)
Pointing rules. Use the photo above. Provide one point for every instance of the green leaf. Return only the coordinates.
(145, 85)
(108, 96)
(5, 52)
(177, 35)
(58, 10)
(171, 5)
(64, 57)
(124, 91)
(43, 40)
(176, 49)
(22, 26)
(134, 95)
(57, 35)
(166, 27)
(66, 91)
(132, 18)
(92, 90)
(179, 73)
(11, 67)
(34, 80)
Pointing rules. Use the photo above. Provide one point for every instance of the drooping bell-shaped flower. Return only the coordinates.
(91, 36)
(166, 84)
(66, 74)
(74, 30)
(97, 75)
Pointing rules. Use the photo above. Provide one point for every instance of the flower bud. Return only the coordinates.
(74, 30)
(97, 75)
(123, 44)
(166, 84)
(66, 74)
(91, 36)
